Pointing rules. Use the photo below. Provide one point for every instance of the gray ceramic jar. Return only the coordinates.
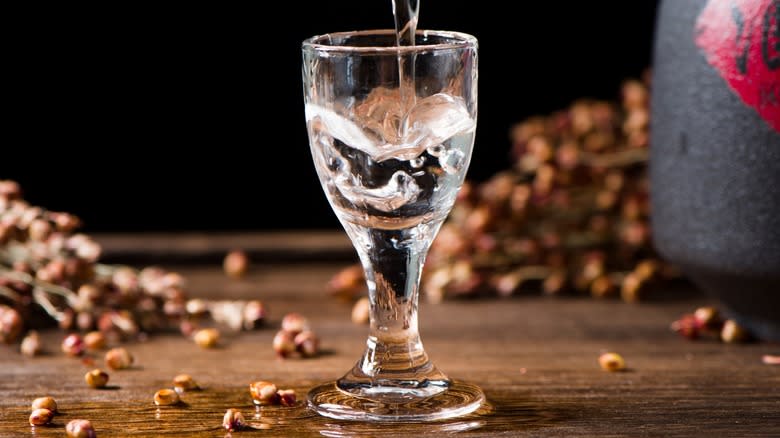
(715, 155)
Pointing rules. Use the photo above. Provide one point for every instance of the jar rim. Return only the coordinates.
(331, 42)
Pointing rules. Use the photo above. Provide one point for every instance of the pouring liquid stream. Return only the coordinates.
(406, 15)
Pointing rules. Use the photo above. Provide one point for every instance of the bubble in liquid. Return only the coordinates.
(451, 161)
(418, 162)
(436, 150)
(400, 189)
(334, 164)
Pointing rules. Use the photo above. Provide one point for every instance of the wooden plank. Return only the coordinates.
(304, 245)
(534, 357)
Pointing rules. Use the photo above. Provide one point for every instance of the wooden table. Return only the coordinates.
(535, 358)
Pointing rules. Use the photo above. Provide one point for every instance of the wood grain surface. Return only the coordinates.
(534, 357)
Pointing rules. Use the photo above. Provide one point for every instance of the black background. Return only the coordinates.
(150, 118)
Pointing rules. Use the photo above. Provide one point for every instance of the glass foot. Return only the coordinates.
(457, 400)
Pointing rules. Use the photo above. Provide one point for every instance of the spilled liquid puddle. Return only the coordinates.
(200, 415)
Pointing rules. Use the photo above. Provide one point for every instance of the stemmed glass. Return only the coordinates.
(391, 130)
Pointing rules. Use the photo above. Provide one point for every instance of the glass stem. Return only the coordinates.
(395, 363)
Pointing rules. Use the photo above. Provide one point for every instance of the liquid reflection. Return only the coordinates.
(362, 429)
(505, 413)
(476, 420)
